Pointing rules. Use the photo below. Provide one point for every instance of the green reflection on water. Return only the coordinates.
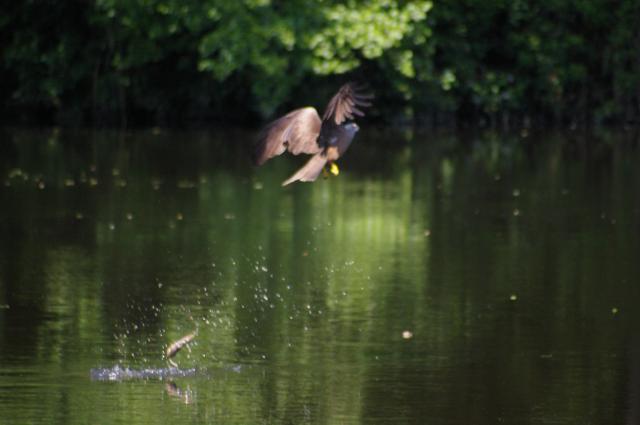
(503, 258)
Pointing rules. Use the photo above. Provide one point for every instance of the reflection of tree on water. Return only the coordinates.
(633, 390)
(316, 284)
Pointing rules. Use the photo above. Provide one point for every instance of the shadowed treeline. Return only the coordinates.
(176, 62)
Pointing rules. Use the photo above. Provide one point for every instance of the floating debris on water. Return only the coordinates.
(615, 310)
(427, 233)
(407, 334)
(513, 297)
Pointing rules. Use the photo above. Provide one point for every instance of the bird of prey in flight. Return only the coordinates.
(302, 131)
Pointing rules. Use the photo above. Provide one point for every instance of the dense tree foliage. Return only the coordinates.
(178, 61)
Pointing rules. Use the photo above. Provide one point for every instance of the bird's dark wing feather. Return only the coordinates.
(296, 132)
(346, 103)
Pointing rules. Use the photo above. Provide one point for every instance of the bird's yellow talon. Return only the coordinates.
(334, 169)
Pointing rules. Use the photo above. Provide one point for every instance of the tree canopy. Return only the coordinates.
(159, 62)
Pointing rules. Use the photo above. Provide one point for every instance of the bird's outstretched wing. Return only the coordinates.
(309, 171)
(296, 132)
(345, 104)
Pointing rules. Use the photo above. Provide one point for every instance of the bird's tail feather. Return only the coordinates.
(310, 171)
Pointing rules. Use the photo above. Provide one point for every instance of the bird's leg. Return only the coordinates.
(333, 169)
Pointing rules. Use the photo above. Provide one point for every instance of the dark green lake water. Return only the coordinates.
(438, 279)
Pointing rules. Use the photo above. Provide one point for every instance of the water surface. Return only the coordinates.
(439, 279)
